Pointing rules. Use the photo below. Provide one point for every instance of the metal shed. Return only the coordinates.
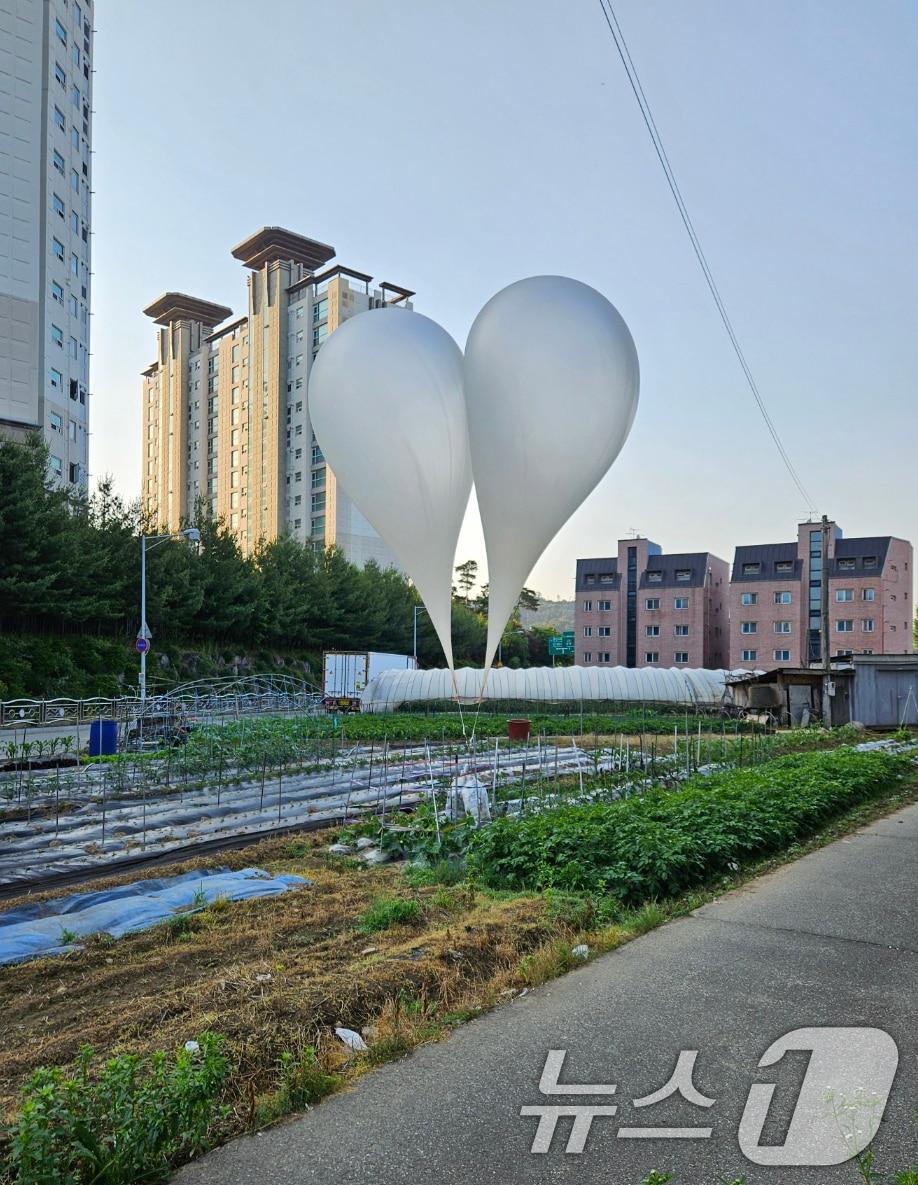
(885, 693)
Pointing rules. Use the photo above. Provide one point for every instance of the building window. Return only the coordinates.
(57, 336)
(587, 605)
(749, 655)
(680, 631)
(845, 625)
(783, 598)
(868, 625)
(651, 656)
(654, 577)
(752, 569)
(56, 464)
(866, 652)
(651, 631)
(605, 631)
(588, 656)
(605, 656)
(57, 424)
(605, 606)
(72, 430)
(782, 656)
(58, 249)
(869, 594)
(749, 598)
(57, 292)
(652, 603)
(844, 594)
(749, 627)
(60, 75)
(683, 574)
(606, 577)
(847, 565)
(870, 561)
(784, 565)
(58, 161)
(588, 631)
(843, 653)
(60, 31)
(590, 579)
(782, 627)
(680, 602)
(681, 656)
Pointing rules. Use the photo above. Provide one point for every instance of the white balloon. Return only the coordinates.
(386, 405)
(551, 387)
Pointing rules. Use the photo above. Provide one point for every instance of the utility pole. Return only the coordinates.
(824, 633)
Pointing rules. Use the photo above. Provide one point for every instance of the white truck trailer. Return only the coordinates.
(345, 673)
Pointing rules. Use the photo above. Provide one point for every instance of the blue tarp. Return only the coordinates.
(32, 931)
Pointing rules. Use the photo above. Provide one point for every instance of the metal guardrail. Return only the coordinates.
(28, 713)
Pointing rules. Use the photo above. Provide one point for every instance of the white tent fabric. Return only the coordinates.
(676, 685)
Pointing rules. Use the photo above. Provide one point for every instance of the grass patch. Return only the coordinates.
(389, 911)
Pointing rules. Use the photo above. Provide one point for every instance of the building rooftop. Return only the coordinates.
(662, 570)
(854, 552)
(178, 306)
(767, 556)
(272, 243)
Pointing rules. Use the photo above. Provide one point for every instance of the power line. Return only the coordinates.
(630, 70)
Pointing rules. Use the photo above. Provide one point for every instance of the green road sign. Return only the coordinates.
(563, 644)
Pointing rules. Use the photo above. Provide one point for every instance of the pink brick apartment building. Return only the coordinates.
(643, 608)
(776, 598)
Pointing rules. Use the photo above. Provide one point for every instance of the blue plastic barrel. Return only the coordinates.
(103, 738)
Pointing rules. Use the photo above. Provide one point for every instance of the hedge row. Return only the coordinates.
(664, 842)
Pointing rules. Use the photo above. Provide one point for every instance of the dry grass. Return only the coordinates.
(277, 975)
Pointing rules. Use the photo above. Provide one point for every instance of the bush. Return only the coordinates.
(661, 843)
(139, 1119)
(389, 911)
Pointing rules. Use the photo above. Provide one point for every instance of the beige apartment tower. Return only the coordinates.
(225, 417)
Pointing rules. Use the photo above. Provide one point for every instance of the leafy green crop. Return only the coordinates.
(132, 1124)
(663, 842)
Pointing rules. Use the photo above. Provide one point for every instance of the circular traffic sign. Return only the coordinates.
(141, 645)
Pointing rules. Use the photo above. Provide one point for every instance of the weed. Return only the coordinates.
(389, 911)
(647, 918)
(443, 872)
(906, 1176)
(67, 937)
(199, 898)
(303, 1084)
(181, 926)
(655, 1178)
(298, 849)
(141, 1117)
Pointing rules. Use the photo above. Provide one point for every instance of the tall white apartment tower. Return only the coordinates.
(45, 182)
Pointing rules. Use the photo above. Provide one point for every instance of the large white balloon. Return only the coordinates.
(551, 387)
(387, 408)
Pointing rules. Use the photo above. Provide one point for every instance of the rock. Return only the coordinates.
(369, 950)
(352, 1040)
(364, 842)
(192, 1047)
(581, 951)
(341, 849)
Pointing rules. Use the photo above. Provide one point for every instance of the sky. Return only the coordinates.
(455, 146)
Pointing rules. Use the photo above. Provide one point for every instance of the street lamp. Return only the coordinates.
(147, 543)
(417, 609)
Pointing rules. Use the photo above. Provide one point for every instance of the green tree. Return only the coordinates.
(36, 561)
(466, 575)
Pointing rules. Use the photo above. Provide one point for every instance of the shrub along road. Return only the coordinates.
(831, 940)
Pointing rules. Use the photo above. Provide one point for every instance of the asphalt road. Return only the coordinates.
(831, 940)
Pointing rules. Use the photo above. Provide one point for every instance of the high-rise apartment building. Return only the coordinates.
(225, 417)
(45, 225)
(778, 592)
(641, 608)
